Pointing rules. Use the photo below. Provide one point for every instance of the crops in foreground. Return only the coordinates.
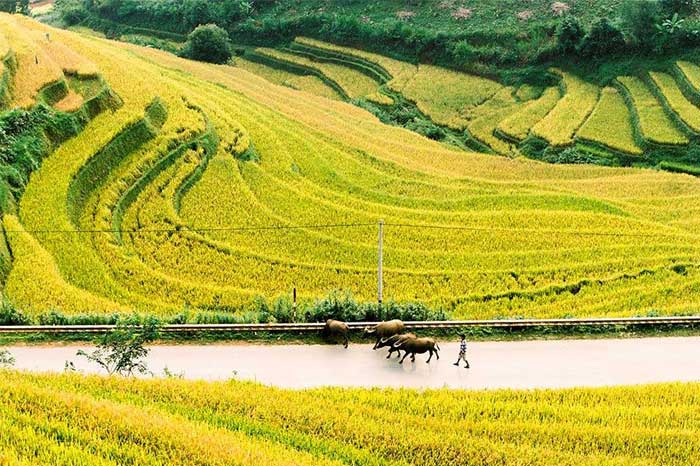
(211, 189)
(123, 421)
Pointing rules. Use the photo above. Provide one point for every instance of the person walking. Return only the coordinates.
(462, 351)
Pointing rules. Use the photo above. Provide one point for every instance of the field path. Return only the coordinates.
(525, 364)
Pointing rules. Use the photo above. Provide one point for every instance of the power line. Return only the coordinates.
(532, 230)
(196, 229)
(346, 225)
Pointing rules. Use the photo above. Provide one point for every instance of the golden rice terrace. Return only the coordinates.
(195, 186)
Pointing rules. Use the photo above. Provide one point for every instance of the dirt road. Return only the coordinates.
(527, 364)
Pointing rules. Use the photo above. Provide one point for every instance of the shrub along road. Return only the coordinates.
(525, 364)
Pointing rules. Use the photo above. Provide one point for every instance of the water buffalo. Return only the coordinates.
(335, 328)
(415, 346)
(385, 330)
(392, 340)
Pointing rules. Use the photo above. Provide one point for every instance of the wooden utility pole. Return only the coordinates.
(294, 305)
(380, 280)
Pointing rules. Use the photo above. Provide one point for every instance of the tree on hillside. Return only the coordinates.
(682, 7)
(15, 6)
(639, 19)
(569, 34)
(603, 39)
(71, 11)
(208, 43)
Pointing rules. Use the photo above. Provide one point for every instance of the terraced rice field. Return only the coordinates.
(559, 126)
(211, 187)
(610, 124)
(518, 124)
(109, 421)
(655, 125)
(353, 83)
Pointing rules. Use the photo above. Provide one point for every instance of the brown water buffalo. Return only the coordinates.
(415, 346)
(385, 330)
(336, 328)
(394, 340)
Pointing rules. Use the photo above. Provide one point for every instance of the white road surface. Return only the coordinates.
(523, 364)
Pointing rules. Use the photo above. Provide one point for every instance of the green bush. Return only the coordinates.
(71, 11)
(10, 315)
(683, 7)
(602, 40)
(639, 19)
(568, 155)
(569, 35)
(208, 43)
(15, 6)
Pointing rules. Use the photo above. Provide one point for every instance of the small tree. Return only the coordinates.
(603, 39)
(683, 7)
(6, 359)
(639, 18)
(569, 35)
(208, 43)
(71, 11)
(123, 350)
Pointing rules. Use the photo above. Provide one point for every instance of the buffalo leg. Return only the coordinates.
(404, 357)
(346, 341)
(429, 357)
(375, 344)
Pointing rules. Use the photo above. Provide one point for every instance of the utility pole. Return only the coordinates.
(294, 305)
(380, 281)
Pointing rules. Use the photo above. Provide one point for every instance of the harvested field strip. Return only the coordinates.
(70, 103)
(36, 68)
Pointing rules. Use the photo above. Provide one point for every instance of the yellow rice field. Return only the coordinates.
(220, 187)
